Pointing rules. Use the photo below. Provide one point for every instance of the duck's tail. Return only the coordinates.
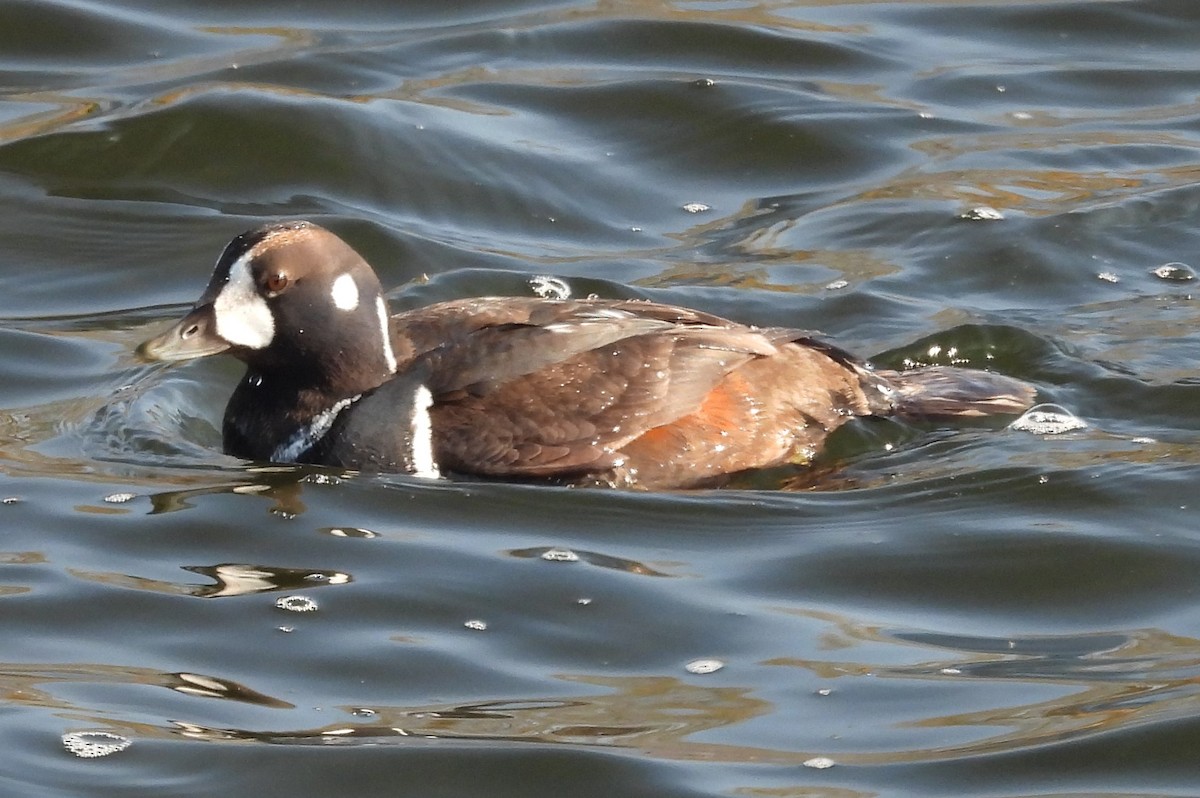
(945, 391)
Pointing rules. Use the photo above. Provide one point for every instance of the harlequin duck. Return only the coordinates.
(595, 391)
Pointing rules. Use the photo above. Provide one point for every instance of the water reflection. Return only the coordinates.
(231, 579)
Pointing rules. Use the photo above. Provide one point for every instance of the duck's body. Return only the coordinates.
(626, 393)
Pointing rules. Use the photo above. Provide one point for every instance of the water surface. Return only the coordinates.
(936, 610)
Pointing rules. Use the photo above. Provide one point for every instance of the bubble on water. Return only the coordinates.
(704, 666)
(11, 500)
(825, 691)
(819, 762)
(548, 287)
(1048, 419)
(696, 207)
(1108, 277)
(287, 630)
(837, 285)
(92, 744)
(1174, 271)
(583, 602)
(951, 671)
(560, 555)
(363, 712)
(982, 213)
(296, 604)
(704, 83)
(120, 498)
(476, 624)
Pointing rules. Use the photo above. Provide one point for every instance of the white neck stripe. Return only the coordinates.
(385, 330)
(307, 436)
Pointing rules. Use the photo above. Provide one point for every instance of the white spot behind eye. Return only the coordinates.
(345, 293)
(242, 316)
(386, 331)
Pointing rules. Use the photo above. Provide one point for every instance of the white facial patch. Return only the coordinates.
(422, 436)
(242, 316)
(385, 330)
(345, 293)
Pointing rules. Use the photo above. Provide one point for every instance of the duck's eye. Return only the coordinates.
(277, 281)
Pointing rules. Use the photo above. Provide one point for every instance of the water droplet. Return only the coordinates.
(120, 498)
(696, 207)
(92, 744)
(1174, 271)
(704, 666)
(982, 213)
(825, 691)
(476, 624)
(1108, 277)
(548, 287)
(951, 671)
(1048, 419)
(296, 604)
(583, 602)
(704, 83)
(560, 555)
(287, 630)
(363, 712)
(819, 762)
(11, 500)
(837, 285)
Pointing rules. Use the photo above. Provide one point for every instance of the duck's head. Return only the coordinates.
(294, 302)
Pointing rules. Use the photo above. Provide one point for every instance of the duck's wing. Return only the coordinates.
(563, 392)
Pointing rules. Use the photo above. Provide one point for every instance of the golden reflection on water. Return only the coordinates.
(1146, 675)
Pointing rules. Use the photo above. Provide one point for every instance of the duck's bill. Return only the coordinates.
(192, 336)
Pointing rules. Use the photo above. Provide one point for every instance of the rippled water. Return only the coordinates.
(935, 610)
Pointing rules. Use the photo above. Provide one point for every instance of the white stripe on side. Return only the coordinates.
(242, 316)
(423, 462)
(385, 330)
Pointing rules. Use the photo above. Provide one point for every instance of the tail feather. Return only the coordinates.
(946, 391)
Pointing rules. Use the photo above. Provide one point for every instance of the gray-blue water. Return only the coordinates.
(935, 611)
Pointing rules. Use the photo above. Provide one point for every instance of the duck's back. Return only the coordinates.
(628, 392)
